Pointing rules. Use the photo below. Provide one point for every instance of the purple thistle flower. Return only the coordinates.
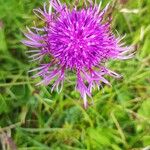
(78, 40)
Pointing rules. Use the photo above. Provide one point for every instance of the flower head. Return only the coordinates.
(78, 40)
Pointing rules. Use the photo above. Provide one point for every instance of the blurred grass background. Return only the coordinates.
(33, 118)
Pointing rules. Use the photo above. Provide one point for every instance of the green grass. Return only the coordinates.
(33, 118)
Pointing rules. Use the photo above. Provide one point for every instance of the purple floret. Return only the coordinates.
(77, 40)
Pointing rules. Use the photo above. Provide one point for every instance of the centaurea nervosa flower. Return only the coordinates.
(78, 40)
